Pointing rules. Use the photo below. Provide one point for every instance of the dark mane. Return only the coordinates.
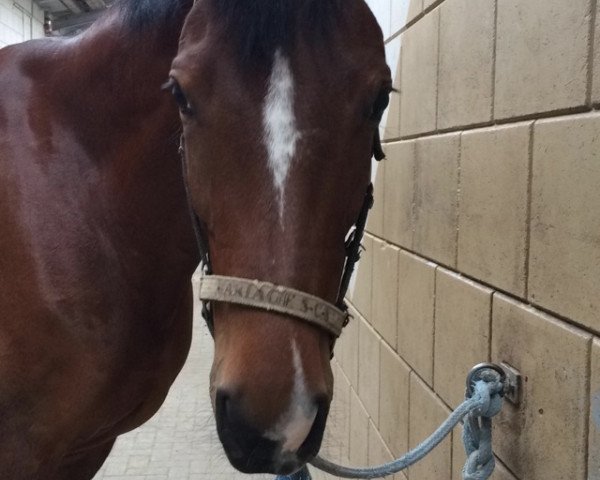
(260, 27)
(140, 14)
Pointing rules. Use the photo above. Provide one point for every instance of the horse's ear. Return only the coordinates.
(378, 152)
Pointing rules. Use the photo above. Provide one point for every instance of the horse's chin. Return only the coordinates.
(281, 469)
(278, 465)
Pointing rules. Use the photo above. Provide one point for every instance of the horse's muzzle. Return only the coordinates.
(250, 450)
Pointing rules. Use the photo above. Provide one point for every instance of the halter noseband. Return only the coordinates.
(276, 298)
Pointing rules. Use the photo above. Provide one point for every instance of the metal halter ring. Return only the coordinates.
(475, 375)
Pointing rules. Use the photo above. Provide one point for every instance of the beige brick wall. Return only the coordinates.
(20, 20)
(484, 243)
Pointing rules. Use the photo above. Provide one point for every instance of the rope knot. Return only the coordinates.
(486, 392)
(491, 398)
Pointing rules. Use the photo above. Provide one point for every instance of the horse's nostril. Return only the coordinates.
(222, 405)
(246, 447)
(312, 444)
(322, 402)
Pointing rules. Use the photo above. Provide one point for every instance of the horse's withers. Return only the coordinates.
(280, 106)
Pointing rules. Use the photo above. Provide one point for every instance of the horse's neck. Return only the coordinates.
(108, 88)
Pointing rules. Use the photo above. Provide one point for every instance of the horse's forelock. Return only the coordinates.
(261, 27)
(139, 14)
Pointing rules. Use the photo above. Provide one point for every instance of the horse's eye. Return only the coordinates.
(381, 103)
(183, 103)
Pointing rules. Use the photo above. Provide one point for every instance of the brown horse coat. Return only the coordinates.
(96, 248)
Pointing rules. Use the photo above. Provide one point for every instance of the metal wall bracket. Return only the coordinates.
(514, 384)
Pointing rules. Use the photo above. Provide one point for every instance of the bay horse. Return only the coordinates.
(97, 248)
(280, 103)
(96, 245)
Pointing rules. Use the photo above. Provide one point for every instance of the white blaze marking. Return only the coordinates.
(296, 423)
(279, 122)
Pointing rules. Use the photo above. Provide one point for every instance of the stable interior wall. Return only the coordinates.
(20, 20)
(484, 242)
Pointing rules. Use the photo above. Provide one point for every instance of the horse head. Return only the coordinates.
(280, 104)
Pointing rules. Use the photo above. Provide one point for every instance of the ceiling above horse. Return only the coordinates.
(69, 17)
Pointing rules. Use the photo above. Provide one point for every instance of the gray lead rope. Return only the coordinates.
(485, 390)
